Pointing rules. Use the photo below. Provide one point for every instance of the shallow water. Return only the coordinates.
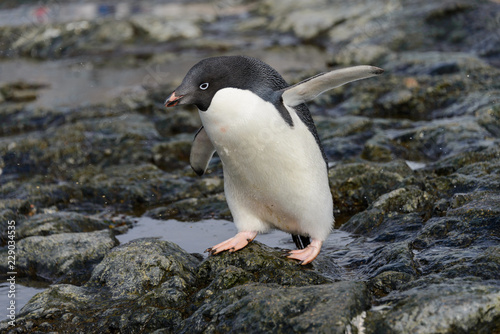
(23, 294)
(196, 237)
(77, 82)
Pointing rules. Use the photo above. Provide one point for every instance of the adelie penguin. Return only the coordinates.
(275, 170)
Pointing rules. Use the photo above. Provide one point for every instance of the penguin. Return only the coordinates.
(274, 166)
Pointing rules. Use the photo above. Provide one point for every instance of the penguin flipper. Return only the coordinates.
(310, 88)
(201, 152)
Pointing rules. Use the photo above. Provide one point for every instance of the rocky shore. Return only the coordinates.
(414, 160)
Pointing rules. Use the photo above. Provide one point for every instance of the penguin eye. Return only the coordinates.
(204, 86)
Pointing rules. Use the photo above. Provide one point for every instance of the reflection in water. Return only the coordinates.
(71, 83)
(23, 295)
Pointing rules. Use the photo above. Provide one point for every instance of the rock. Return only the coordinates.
(255, 308)
(489, 118)
(163, 276)
(209, 207)
(65, 257)
(178, 121)
(443, 138)
(173, 154)
(59, 222)
(355, 185)
(6, 216)
(162, 30)
(439, 308)
(257, 263)
(132, 187)
(134, 268)
(153, 285)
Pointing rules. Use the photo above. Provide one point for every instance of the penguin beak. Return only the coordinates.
(173, 100)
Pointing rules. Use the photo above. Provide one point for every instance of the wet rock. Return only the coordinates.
(255, 263)
(489, 118)
(162, 30)
(20, 92)
(132, 187)
(356, 185)
(149, 284)
(173, 154)
(65, 257)
(59, 222)
(73, 145)
(458, 306)
(18, 119)
(6, 216)
(443, 138)
(255, 308)
(138, 286)
(209, 207)
(178, 121)
(134, 268)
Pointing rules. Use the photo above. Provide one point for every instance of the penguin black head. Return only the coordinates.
(212, 74)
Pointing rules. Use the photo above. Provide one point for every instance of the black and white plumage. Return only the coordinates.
(275, 171)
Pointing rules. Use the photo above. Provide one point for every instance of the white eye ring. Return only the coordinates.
(204, 86)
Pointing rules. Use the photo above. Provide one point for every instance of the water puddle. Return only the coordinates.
(74, 82)
(23, 293)
(195, 237)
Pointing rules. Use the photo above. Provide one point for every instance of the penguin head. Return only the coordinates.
(210, 75)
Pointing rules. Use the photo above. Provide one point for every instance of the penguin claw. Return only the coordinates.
(308, 254)
(210, 251)
(239, 241)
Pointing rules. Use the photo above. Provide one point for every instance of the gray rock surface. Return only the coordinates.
(64, 257)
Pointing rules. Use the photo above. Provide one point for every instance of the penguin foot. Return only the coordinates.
(307, 254)
(240, 240)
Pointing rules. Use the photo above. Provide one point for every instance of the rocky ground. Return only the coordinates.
(415, 177)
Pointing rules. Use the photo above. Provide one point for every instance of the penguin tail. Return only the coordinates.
(300, 241)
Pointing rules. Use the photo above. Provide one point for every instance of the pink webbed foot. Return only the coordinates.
(240, 240)
(307, 254)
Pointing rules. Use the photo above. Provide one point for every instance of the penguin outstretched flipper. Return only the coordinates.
(310, 88)
(202, 151)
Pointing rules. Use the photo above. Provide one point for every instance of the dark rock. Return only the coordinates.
(178, 121)
(258, 263)
(443, 138)
(150, 263)
(211, 206)
(163, 276)
(59, 222)
(6, 216)
(132, 187)
(173, 154)
(458, 306)
(256, 307)
(356, 185)
(65, 257)
(152, 285)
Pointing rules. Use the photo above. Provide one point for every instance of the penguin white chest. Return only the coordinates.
(274, 173)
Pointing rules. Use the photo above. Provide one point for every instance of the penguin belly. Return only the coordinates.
(274, 173)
